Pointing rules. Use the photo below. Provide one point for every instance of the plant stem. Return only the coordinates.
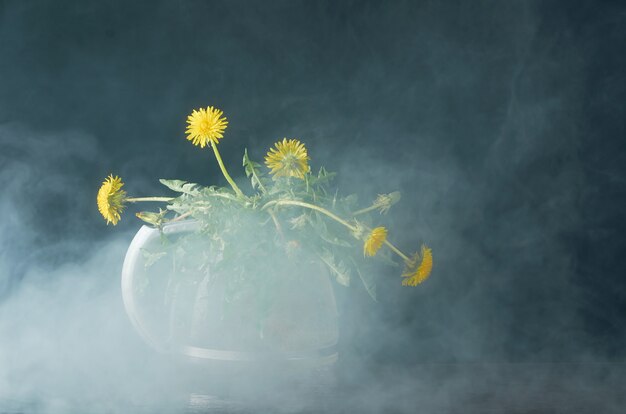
(138, 199)
(312, 207)
(223, 168)
(397, 251)
(277, 224)
(365, 210)
(181, 217)
(332, 216)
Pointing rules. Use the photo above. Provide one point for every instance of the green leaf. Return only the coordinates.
(179, 207)
(151, 258)
(323, 178)
(368, 280)
(211, 192)
(298, 222)
(319, 225)
(181, 186)
(348, 202)
(252, 172)
(338, 269)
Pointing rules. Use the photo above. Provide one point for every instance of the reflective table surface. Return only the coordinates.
(428, 388)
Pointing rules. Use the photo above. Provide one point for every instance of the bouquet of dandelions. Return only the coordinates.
(292, 210)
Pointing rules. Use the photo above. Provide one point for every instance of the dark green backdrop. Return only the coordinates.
(501, 122)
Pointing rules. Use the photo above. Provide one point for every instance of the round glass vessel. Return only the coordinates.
(184, 303)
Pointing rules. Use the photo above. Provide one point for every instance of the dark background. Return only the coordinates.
(501, 122)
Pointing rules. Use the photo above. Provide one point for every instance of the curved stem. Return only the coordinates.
(312, 207)
(139, 199)
(332, 216)
(223, 168)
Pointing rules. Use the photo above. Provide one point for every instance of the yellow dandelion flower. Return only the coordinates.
(374, 241)
(111, 199)
(288, 159)
(206, 126)
(418, 268)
